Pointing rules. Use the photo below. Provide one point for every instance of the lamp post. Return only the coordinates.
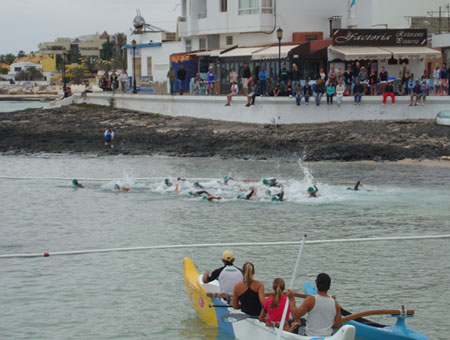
(133, 46)
(64, 70)
(279, 36)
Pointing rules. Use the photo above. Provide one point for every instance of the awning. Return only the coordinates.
(213, 53)
(272, 52)
(241, 52)
(412, 52)
(358, 53)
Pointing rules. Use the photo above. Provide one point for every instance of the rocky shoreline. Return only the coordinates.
(80, 129)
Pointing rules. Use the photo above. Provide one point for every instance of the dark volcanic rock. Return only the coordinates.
(80, 130)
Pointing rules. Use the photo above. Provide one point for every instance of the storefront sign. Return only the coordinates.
(380, 37)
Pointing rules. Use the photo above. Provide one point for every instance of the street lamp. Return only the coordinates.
(64, 70)
(133, 46)
(279, 36)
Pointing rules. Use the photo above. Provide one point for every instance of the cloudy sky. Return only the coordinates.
(26, 23)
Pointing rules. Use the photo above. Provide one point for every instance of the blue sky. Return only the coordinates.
(26, 23)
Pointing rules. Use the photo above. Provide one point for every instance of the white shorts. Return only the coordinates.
(245, 83)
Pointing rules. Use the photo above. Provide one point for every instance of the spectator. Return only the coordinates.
(109, 137)
(246, 75)
(67, 92)
(87, 89)
(389, 92)
(285, 75)
(437, 79)
(356, 69)
(198, 82)
(415, 94)
(307, 92)
(295, 76)
(340, 89)
(172, 75)
(233, 76)
(424, 91)
(383, 80)
(319, 91)
(362, 77)
(373, 81)
(114, 81)
(262, 75)
(211, 80)
(255, 91)
(358, 91)
(330, 92)
(234, 91)
(298, 93)
(411, 83)
(287, 91)
(443, 80)
(348, 79)
(277, 89)
(323, 75)
(123, 78)
(332, 76)
(340, 75)
(181, 75)
(269, 88)
(403, 75)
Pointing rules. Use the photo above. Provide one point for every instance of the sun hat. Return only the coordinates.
(227, 255)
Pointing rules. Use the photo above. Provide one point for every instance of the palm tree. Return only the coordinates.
(119, 39)
(119, 63)
(35, 74)
(105, 66)
(77, 73)
(91, 64)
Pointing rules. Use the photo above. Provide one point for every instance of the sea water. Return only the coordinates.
(141, 294)
(10, 106)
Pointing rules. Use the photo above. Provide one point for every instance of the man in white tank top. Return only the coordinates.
(324, 312)
(228, 275)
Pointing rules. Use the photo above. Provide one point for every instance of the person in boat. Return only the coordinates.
(119, 188)
(206, 195)
(324, 312)
(77, 184)
(272, 182)
(273, 306)
(228, 275)
(312, 191)
(248, 295)
(249, 195)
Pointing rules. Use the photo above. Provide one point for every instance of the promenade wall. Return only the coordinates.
(270, 110)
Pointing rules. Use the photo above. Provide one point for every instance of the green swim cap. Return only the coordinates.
(265, 181)
(196, 183)
(190, 193)
(75, 181)
(239, 197)
(275, 199)
(205, 197)
(166, 181)
(226, 177)
(116, 186)
(311, 189)
(268, 192)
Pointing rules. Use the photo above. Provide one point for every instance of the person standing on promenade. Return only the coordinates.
(443, 79)
(437, 79)
(228, 275)
(332, 76)
(348, 80)
(319, 90)
(383, 80)
(322, 75)
(123, 78)
(234, 92)
(181, 75)
(355, 70)
(363, 78)
(246, 75)
(340, 89)
(109, 137)
(211, 80)
(403, 75)
(262, 75)
(389, 92)
(373, 81)
(358, 91)
(295, 77)
(172, 75)
(285, 75)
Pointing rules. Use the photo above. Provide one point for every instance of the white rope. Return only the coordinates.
(105, 179)
(246, 244)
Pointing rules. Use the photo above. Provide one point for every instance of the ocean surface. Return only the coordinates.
(10, 106)
(141, 295)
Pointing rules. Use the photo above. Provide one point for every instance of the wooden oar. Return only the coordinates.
(375, 312)
(283, 318)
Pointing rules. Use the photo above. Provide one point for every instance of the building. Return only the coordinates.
(86, 45)
(225, 34)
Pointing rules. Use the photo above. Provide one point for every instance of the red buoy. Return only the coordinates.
(46, 254)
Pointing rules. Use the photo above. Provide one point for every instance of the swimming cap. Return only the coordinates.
(190, 193)
(275, 198)
(239, 197)
(265, 181)
(268, 192)
(75, 181)
(116, 186)
(166, 181)
(205, 197)
(226, 177)
(196, 183)
(311, 189)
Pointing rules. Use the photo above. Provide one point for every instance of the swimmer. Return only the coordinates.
(313, 191)
(118, 187)
(357, 185)
(197, 185)
(226, 179)
(252, 193)
(77, 184)
(278, 197)
(207, 196)
(271, 182)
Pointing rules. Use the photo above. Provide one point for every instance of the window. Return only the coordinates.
(202, 44)
(229, 40)
(223, 5)
(248, 7)
(311, 37)
(266, 6)
(17, 69)
(188, 45)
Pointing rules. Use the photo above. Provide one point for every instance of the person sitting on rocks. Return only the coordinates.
(67, 92)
